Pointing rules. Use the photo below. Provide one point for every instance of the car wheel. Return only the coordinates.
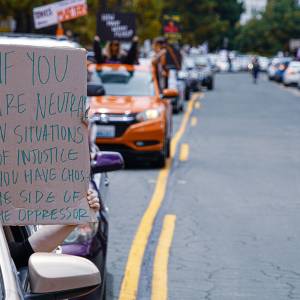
(187, 93)
(168, 148)
(176, 107)
(210, 85)
(160, 161)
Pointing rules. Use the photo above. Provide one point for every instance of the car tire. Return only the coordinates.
(160, 161)
(176, 107)
(168, 148)
(187, 93)
(210, 85)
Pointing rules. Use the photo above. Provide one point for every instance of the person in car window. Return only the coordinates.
(113, 54)
(47, 238)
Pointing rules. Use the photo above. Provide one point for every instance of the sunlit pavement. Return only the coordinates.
(234, 189)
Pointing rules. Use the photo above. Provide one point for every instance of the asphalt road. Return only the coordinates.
(236, 200)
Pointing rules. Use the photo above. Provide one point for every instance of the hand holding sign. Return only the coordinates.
(44, 153)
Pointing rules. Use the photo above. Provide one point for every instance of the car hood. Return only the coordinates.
(122, 104)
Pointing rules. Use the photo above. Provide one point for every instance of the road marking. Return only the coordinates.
(184, 152)
(197, 105)
(131, 277)
(160, 268)
(194, 121)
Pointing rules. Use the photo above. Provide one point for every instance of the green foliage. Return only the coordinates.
(271, 33)
(205, 20)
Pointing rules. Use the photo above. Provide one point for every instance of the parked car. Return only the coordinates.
(277, 67)
(190, 75)
(279, 73)
(292, 74)
(134, 117)
(48, 275)
(206, 75)
(176, 84)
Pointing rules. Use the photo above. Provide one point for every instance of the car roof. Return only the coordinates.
(36, 40)
(119, 67)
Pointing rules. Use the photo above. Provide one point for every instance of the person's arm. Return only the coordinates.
(49, 237)
(98, 51)
(132, 54)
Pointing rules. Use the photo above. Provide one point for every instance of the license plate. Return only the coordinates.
(106, 131)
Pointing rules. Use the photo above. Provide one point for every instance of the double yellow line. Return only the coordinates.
(130, 281)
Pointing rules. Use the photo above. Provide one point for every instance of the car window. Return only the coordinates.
(125, 83)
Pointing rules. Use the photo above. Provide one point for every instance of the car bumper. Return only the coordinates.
(291, 79)
(143, 138)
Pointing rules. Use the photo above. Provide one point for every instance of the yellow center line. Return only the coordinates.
(131, 277)
(184, 152)
(194, 121)
(161, 260)
(197, 105)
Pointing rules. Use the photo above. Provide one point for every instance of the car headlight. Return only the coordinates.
(149, 114)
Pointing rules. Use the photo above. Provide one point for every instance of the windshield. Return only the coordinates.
(125, 83)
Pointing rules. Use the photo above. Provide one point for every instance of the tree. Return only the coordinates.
(273, 30)
(207, 20)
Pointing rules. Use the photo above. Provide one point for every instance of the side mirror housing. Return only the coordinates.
(106, 161)
(170, 93)
(95, 89)
(59, 276)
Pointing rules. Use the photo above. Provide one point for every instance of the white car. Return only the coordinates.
(48, 275)
(292, 74)
(263, 63)
(273, 68)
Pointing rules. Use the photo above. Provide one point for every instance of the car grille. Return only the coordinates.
(120, 121)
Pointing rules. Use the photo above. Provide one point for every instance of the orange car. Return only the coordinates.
(132, 117)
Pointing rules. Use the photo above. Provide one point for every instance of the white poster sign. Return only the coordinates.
(61, 11)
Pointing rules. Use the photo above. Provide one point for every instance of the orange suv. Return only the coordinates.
(132, 117)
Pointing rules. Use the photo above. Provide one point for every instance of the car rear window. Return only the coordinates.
(126, 83)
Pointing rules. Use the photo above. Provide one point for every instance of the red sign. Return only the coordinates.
(72, 12)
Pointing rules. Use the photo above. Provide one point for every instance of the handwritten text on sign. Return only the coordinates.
(44, 156)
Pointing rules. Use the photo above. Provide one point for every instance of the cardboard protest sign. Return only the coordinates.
(44, 153)
(116, 26)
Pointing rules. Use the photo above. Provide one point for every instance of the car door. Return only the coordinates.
(9, 288)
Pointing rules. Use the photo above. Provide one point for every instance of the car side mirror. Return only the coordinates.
(60, 276)
(170, 93)
(106, 161)
(95, 89)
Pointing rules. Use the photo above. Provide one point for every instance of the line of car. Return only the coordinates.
(285, 70)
